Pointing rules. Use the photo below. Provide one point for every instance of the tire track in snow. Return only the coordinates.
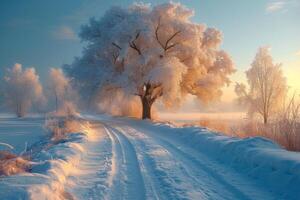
(154, 189)
(223, 182)
(168, 168)
(165, 178)
(208, 179)
(126, 181)
(91, 181)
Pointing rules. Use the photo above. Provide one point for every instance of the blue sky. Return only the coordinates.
(43, 34)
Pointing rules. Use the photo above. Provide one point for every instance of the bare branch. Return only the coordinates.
(156, 92)
(137, 94)
(170, 39)
(156, 33)
(115, 56)
(171, 46)
(133, 45)
(116, 45)
(167, 44)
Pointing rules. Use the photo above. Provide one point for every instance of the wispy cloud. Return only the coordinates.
(64, 33)
(298, 53)
(275, 6)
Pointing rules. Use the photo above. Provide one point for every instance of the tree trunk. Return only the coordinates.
(265, 116)
(19, 111)
(56, 103)
(146, 108)
(148, 97)
(265, 119)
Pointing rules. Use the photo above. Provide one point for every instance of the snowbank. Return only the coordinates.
(52, 162)
(50, 168)
(257, 157)
(56, 163)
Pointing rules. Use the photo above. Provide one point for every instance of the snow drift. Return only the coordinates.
(52, 162)
(257, 157)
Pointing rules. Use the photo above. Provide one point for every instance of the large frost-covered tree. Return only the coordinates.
(267, 86)
(152, 53)
(22, 89)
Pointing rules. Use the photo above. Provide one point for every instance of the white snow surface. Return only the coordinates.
(21, 132)
(123, 158)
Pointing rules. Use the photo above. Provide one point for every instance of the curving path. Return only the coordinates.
(132, 162)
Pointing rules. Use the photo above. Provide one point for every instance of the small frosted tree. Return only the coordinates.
(267, 86)
(152, 53)
(62, 92)
(59, 85)
(22, 89)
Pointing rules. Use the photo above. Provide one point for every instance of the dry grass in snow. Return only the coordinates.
(61, 127)
(12, 164)
(284, 129)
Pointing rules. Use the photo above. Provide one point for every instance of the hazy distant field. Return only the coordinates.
(229, 123)
(195, 117)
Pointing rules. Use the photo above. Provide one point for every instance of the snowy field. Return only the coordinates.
(194, 116)
(21, 132)
(122, 158)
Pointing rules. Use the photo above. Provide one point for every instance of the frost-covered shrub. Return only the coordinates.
(284, 129)
(287, 125)
(60, 127)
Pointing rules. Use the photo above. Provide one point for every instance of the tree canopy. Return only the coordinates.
(150, 53)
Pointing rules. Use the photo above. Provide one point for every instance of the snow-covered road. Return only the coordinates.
(122, 158)
(135, 162)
